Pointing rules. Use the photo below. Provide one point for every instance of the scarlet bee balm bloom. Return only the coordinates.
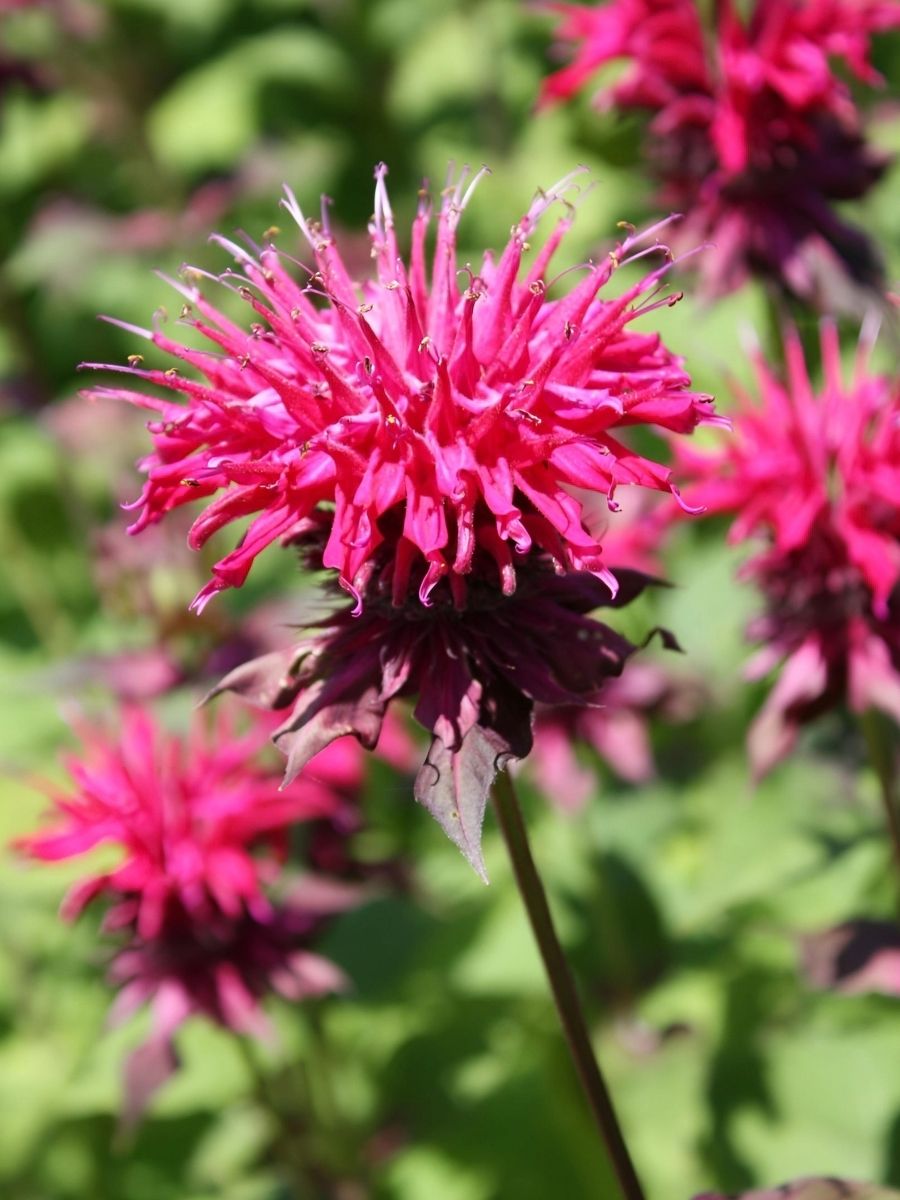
(814, 477)
(188, 900)
(185, 813)
(467, 403)
(754, 134)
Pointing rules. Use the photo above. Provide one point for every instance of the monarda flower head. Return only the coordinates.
(424, 434)
(457, 407)
(201, 828)
(815, 477)
(753, 133)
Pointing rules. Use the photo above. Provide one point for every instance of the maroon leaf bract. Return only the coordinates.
(475, 672)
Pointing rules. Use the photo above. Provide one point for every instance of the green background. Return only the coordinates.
(128, 130)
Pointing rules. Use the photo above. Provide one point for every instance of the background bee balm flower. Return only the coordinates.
(816, 477)
(753, 134)
(458, 412)
(189, 900)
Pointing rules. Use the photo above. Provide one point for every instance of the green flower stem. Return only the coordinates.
(881, 743)
(289, 1149)
(563, 987)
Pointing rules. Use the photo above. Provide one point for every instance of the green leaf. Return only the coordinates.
(39, 135)
(211, 115)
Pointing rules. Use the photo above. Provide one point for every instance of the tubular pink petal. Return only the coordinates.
(427, 413)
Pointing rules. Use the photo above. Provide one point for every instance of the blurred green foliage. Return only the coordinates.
(128, 130)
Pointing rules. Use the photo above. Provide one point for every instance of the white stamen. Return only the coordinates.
(238, 252)
(545, 198)
(325, 203)
(384, 217)
(191, 294)
(137, 330)
(868, 336)
(289, 204)
(479, 175)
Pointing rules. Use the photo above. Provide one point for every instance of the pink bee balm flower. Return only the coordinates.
(753, 133)
(816, 477)
(457, 409)
(186, 814)
(615, 726)
(856, 956)
(188, 897)
(662, 40)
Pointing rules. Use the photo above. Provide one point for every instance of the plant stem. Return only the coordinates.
(563, 986)
(884, 763)
(289, 1149)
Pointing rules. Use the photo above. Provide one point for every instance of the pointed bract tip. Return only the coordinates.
(137, 330)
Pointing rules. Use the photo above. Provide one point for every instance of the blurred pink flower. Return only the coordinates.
(189, 897)
(460, 414)
(93, 230)
(754, 134)
(816, 477)
(75, 18)
(615, 725)
(857, 956)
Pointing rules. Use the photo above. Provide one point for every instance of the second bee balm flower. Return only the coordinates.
(455, 408)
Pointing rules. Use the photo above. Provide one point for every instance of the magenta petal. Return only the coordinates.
(322, 896)
(774, 731)
(874, 678)
(145, 1071)
(148, 1067)
(310, 975)
(560, 776)
(858, 956)
(623, 740)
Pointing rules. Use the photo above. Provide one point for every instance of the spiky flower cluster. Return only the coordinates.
(754, 134)
(441, 440)
(188, 901)
(458, 409)
(816, 477)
